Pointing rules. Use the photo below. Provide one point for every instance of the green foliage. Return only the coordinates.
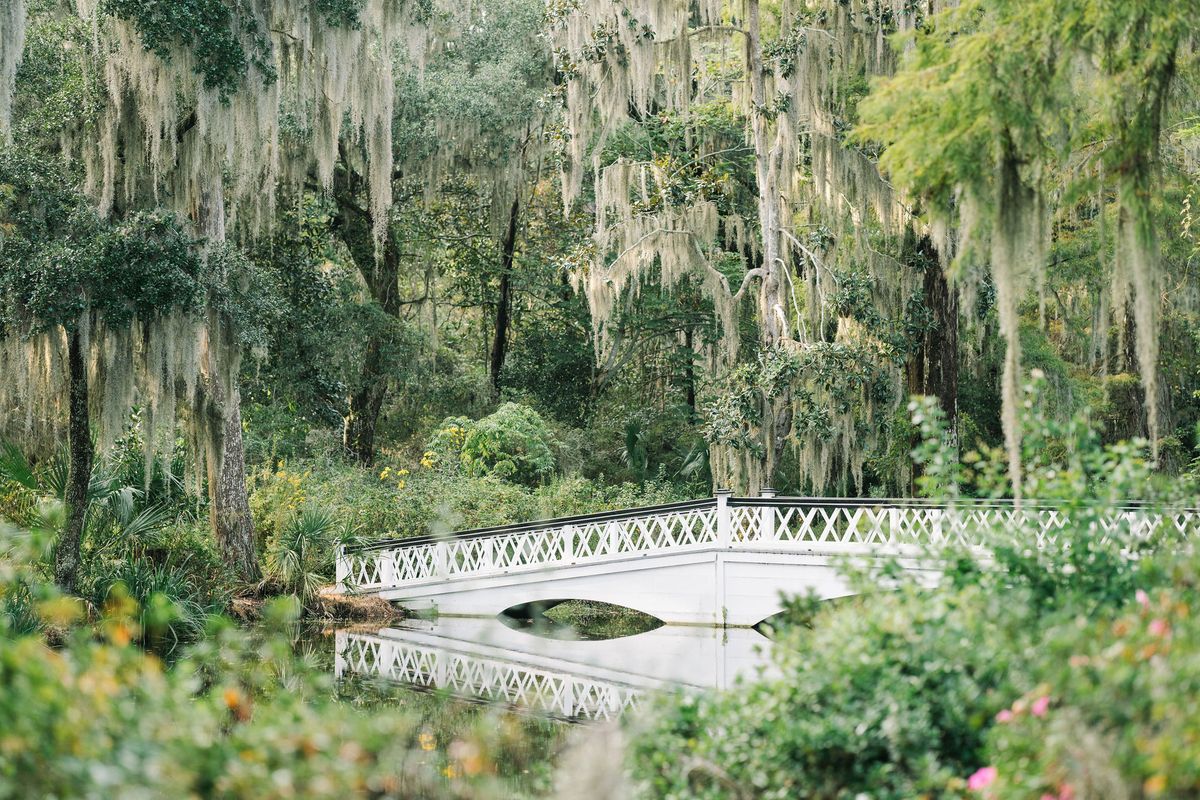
(1107, 708)
(300, 558)
(897, 695)
(238, 716)
(57, 92)
(140, 542)
(213, 30)
(171, 605)
(59, 259)
(339, 13)
(399, 501)
(513, 443)
(312, 334)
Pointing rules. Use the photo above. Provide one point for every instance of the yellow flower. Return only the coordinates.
(400, 484)
(402, 472)
(386, 471)
(427, 741)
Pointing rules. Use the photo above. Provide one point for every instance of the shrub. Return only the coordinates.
(171, 607)
(444, 450)
(396, 501)
(300, 558)
(898, 696)
(513, 443)
(1109, 707)
(236, 717)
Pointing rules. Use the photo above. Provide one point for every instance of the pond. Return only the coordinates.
(578, 679)
(535, 681)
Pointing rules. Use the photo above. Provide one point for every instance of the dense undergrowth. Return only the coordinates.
(239, 715)
(146, 535)
(1068, 671)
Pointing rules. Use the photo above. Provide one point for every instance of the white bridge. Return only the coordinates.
(484, 660)
(720, 561)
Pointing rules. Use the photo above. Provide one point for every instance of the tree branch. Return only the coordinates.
(757, 272)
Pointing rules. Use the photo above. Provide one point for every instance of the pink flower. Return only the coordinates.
(1048, 797)
(1143, 599)
(1158, 627)
(1005, 716)
(982, 779)
(1040, 706)
(1066, 792)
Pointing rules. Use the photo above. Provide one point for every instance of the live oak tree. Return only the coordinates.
(844, 282)
(95, 318)
(468, 130)
(988, 134)
(210, 109)
(1012, 120)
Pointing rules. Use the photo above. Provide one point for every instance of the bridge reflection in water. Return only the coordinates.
(483, 659)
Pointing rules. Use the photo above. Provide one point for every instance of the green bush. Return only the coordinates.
(172, 607)
(236, 717)
(898, 695)
(401, 499)
(141, 540)
(444, 450)
(1109, 705)
(300, 558)
(513, 443)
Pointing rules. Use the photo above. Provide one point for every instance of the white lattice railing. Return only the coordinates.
(778, 524)
(484, 679)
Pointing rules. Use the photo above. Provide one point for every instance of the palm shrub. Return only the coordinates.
(136, 546)
(300, 559)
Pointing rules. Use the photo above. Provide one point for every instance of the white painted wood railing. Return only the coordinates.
(827, 526)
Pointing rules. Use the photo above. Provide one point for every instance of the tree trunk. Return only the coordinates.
(776, 416)
(500, 340)
(366, 403)
(933, 369)
(366, 400)
(231, 520)
(79, 467)
(770, 296)
(689, 373)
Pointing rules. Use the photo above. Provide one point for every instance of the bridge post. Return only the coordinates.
(568, 542)
(342, 569)
(724, 537)
(766, 523)
(724, 525)
(441, 559)
(387, 568)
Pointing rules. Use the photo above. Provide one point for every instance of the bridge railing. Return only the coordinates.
(677, 527)
(787, 524)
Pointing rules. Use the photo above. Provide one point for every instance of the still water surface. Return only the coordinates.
(524, 686)
(541, 671)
